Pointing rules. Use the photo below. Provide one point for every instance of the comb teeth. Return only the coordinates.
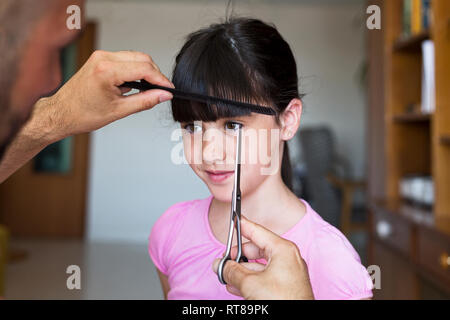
(144, 85)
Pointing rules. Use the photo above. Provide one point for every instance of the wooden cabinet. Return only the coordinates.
(411, 251)
(398, 280)
(394, 231)
(410, 245)
(433, 254)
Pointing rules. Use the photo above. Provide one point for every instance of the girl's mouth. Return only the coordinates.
(219, 176)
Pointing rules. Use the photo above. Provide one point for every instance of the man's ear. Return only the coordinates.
(290, 119)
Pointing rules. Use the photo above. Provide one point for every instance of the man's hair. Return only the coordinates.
(17, 18)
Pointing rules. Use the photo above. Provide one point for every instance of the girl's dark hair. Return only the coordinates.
(241, 59)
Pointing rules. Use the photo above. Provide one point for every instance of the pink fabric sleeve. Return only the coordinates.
(335, 268)
(156, 247)
(160, 237)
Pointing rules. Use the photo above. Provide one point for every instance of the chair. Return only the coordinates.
(330, 189)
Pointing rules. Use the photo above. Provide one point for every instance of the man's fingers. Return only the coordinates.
(129, 55)
(124, 90)
(141, 101)
(121, 71)
(233, 290)
(215, 265)
(133, 56)
(237, 275)
(249, 250)
(104, 62)
(234, 274)
(254, 266)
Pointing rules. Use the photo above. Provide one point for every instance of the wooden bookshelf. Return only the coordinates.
(402, 143)
(445, 139)
(422, 144)
(441, 125)
(411, 43)
(412, 118)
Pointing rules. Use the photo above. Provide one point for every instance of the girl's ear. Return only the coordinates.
(290, 119)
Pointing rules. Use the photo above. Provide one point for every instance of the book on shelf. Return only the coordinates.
(428, 77)
(407, 4)
(416, 17)
(426, 14)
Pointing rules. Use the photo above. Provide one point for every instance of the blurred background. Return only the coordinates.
(372, 155)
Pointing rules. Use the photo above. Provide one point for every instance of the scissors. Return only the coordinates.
(235, 214)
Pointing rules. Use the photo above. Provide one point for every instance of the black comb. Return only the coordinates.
(144, 85)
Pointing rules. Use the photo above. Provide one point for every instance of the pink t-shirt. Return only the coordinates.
(183, 247)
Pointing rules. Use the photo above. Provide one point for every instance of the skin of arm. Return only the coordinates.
(40, 131)
(164, 283)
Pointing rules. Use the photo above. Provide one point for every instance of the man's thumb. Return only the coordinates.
(234, 274)
(143, 101)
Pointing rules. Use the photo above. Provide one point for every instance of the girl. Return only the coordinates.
(245, 60)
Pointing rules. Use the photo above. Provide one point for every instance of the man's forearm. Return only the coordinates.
(41, 130)
(88, 101)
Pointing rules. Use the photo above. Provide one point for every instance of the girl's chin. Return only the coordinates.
(221, 193)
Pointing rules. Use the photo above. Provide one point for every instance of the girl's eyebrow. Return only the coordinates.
(232, 119)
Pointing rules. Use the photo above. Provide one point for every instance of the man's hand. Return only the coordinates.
(284, 277)
(92, 99)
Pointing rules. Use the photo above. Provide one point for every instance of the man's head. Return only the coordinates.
(32, 33)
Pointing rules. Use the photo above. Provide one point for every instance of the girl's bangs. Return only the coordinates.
(211, 66)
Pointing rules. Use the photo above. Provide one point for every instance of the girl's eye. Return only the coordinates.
(193, 128)
(233, 126)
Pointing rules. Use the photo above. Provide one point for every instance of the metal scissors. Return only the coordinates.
(235, 214)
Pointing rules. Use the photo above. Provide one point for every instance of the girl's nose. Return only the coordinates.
(213, 146)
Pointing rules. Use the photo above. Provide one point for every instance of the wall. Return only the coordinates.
(132, 180)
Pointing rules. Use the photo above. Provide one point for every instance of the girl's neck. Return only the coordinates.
(272, 205)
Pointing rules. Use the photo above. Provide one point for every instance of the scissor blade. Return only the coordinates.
(237, 173)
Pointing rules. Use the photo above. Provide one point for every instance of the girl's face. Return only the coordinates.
(210, 149)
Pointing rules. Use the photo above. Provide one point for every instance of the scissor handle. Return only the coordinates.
(222, 266)
(239, 256)
(220, 269)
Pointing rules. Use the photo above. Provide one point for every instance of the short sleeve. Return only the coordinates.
(335, 270)
(161, 236)
(156, 243)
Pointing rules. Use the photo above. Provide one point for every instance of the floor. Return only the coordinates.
(108, 271)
